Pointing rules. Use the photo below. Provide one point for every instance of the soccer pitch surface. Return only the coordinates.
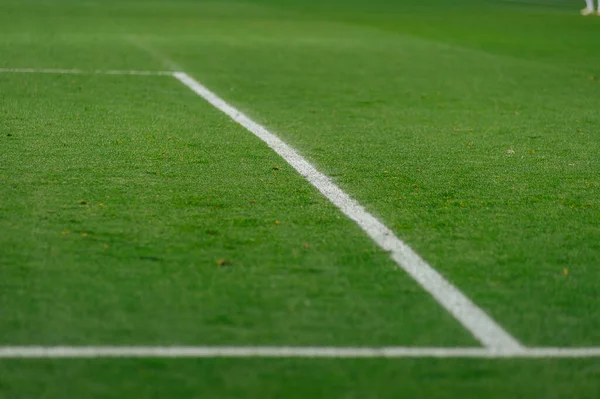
(157, 239)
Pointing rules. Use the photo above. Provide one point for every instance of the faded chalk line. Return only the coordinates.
(157, 55)
(70, 352)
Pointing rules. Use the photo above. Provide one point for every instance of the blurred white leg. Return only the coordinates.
(589, 9)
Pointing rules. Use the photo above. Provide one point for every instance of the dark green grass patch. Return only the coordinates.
(293, 378)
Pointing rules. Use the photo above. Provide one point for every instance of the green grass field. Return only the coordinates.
(133, 213)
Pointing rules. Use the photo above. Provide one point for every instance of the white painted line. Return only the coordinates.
(84, 72)
(56, 352)
(561, 352)
(143, 73)
(474, 319)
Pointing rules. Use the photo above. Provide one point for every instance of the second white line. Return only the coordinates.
(474, 319)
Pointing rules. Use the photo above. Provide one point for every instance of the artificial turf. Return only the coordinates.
(131, 212)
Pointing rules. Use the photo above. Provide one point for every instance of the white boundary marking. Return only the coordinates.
(69, 352)
(84, 72)
(481, 326)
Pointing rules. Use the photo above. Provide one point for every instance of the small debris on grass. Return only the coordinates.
(277, 223)
(305, 245)
(565, 271)
(84, 234)
(277, 168)
(223, 262)
(82, 202)
(510, 151)
(65, 233)
(252, 202)
(106, 246)
(532, 151)
(470, 144)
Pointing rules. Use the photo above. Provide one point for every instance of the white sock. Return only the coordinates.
(590, 4)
